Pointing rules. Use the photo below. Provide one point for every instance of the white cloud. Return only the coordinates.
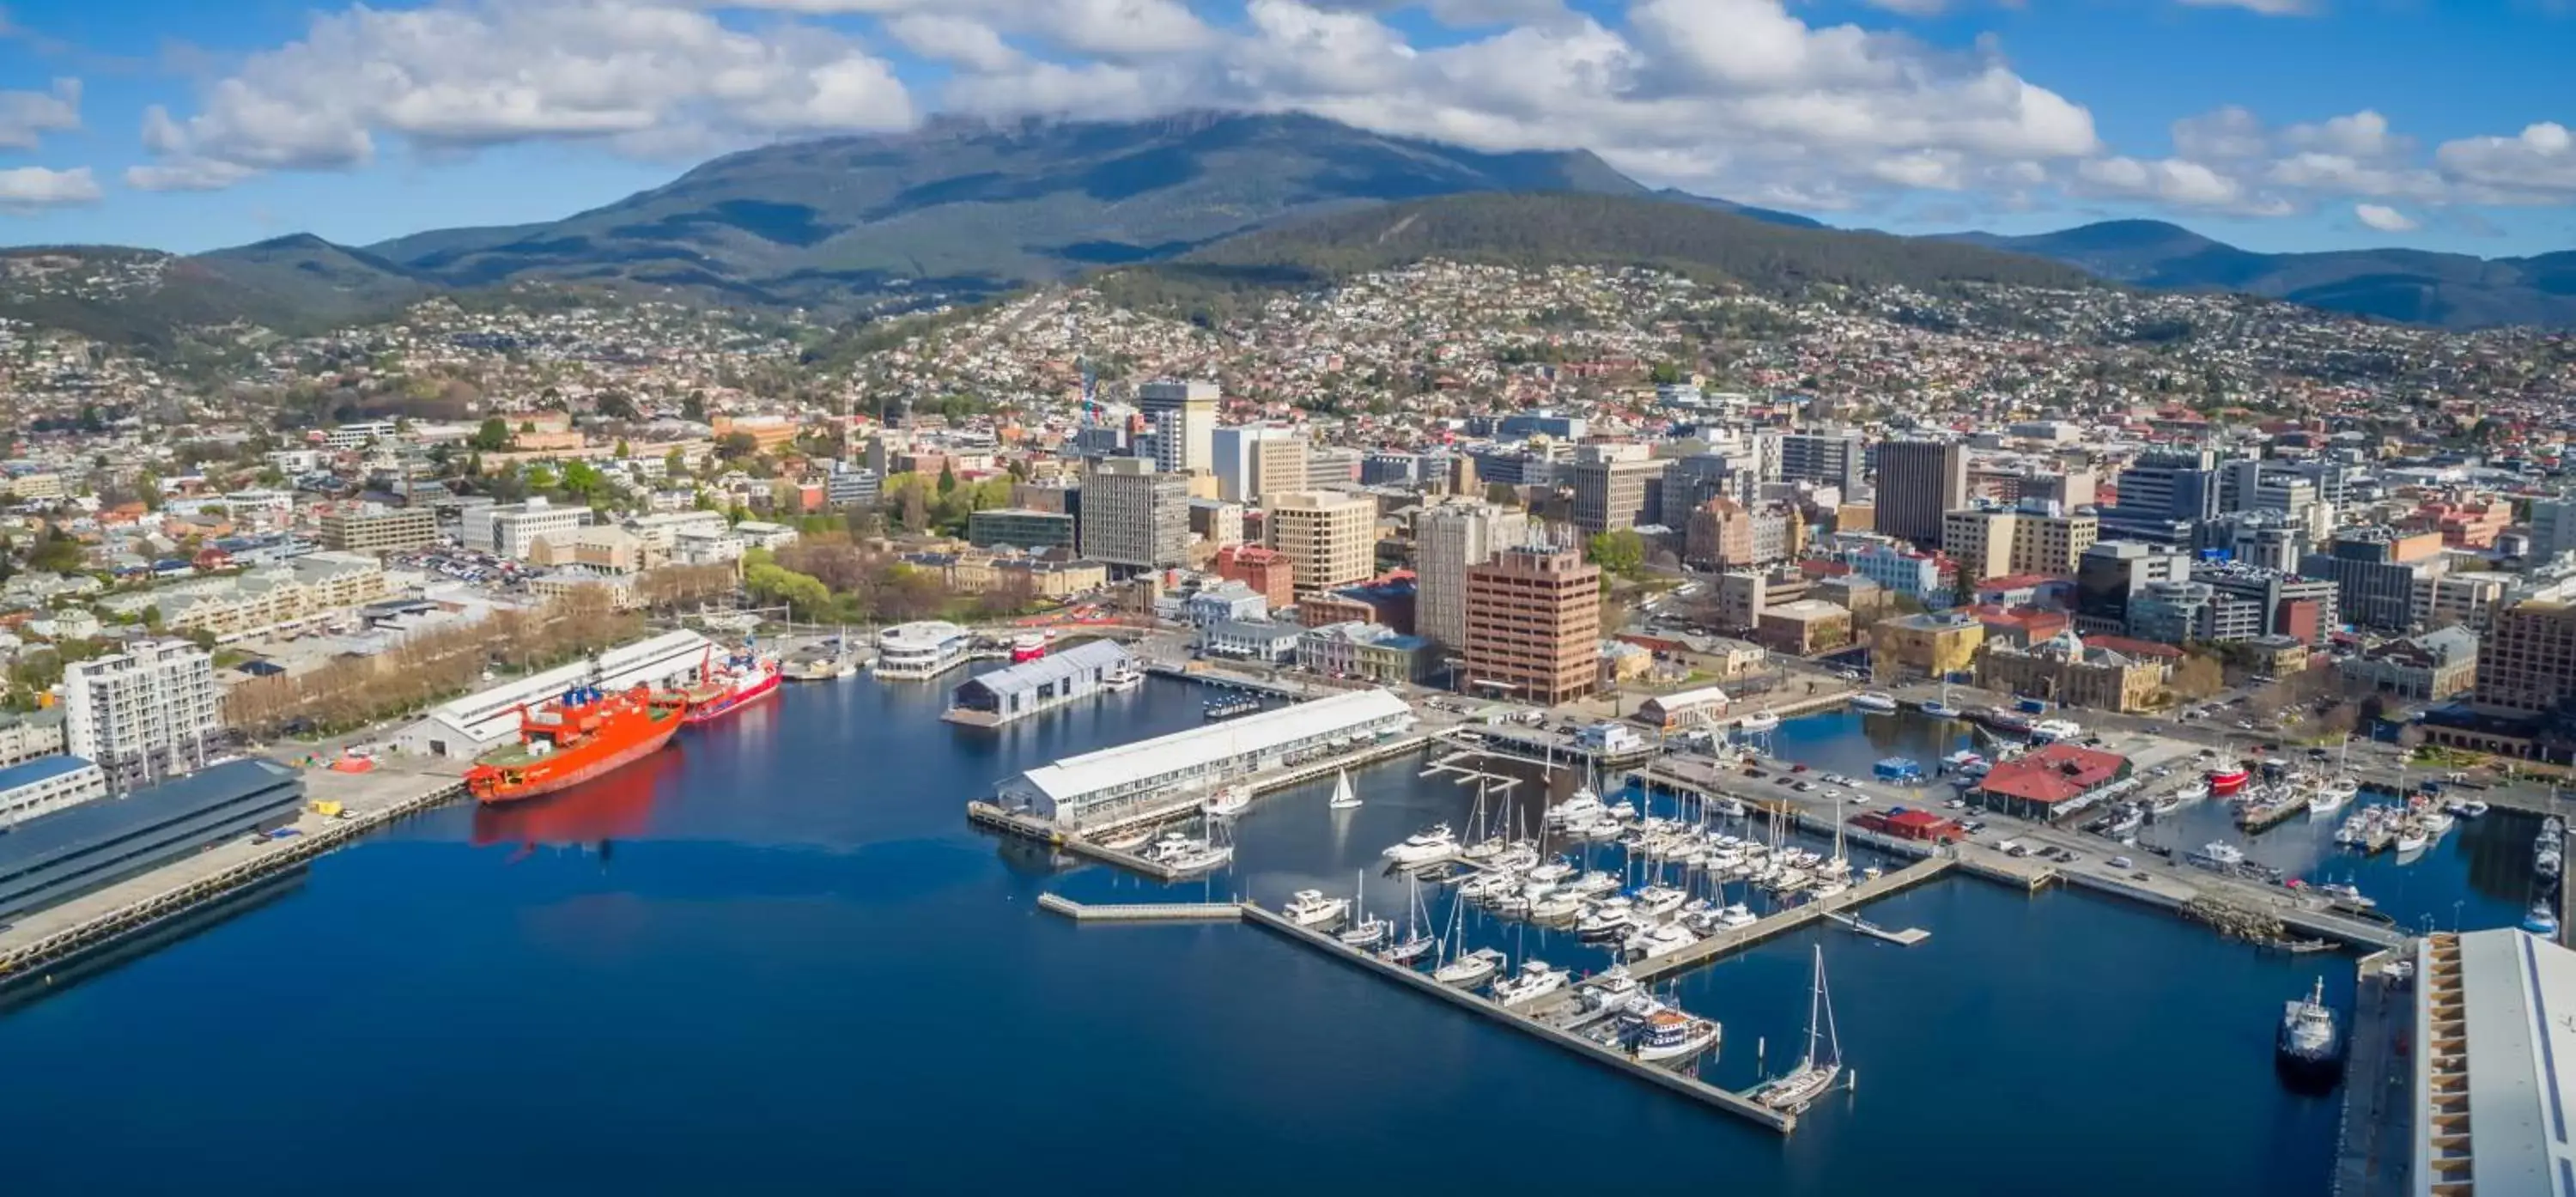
(2536, 166)
(186, 174)
(31, 188)
(2386, 219)
(1911, 8)
(26, 116)
(2363, 135)
(2229, 134)
(638, 75)
(964, 41)
(2269, 8)
(2177, 181)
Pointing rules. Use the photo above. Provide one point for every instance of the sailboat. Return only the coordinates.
(1417, 938)
(1344, 797)
(1816, 1073)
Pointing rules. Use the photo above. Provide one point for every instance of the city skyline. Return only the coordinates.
(2274, 124)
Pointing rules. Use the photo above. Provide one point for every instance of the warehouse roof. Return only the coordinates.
(1054, 667)
(2517, 996)
(46, 838)
(43, 768)
(1075, 776)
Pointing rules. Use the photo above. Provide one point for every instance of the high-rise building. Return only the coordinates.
(2376, 573)
(145, 714)
(513, 529)
(1688, 483)
(378, 529)
(1327, 467)
(1917, 482)
(2553, 527)
(1329, 539)
(1449, 539)
(2109, 575)
(1832, 458)
(2527, 665)
(2289, 605)
(1183, 416)
(1995, 542)
(1534, 625)
(1134, 517)
(1253, 458)
(2170, 485)
(1615, 488)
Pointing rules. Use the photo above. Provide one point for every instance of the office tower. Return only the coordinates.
(1135, 518)
(2527, 664)
(1615, 487)
(1534, 625)
(2170, 485)
(1253, 458)
(1329, 539)
(1919, 481)
(1183, 415)
(143, 714)
(1830, 458)
(1448, 540)
(2553, 527)
(2109, 575)
(1992, 542)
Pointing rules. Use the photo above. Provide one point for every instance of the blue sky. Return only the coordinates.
(2275, 124)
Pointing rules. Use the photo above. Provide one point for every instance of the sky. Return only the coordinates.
(2277, 125)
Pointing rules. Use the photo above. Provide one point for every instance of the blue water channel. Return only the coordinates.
(776, 959)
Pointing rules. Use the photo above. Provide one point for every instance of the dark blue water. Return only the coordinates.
(778, 960)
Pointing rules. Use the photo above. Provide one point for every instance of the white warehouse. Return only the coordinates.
(1084, 789)
(469, 725)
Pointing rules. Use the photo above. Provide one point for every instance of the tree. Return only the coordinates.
(1621, 552)
(2197, 676)
(493, 436)
(694, 408)
(1502, 494)
(737, 445)
(947, 480)
(616, 406)
(624, 450)
(675, 464)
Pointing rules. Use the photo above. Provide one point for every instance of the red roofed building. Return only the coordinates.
(2039, 784)
(1911, 824)
(1265, 570)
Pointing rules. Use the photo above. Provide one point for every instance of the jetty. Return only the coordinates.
(1142, 912)
(1770, 926)
(1671, 1080)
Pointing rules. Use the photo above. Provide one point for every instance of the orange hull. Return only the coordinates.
(583, 742)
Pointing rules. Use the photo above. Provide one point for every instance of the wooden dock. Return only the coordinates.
(1668, 1079)
(1726, 943)
(1905, 938)
(1142, 912)
(994, 818)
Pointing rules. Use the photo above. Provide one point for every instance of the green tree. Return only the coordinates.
(624, 450)
(1622, 552)
(55, 552)
(675, 464)
(493, 436)
(947, 479)
(694, 408)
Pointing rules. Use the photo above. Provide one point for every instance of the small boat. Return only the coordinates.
(1622, 810)
(2344, 892)
(1556, 908)
(1429, 846)
(2309, 1047)
(2545, 860)
(1731, 807)
(1122, 678)
(2190, 793)
(1590, 885)
(2215, 855)
(1228, 801)
(1736, 914)
(1758, 722)
(1310, 908)
(1418, 940)
(1662, 939)
(1940, 710)
(1607, 920)
(1187, 855)
(1535, 980)
(1817, 1071)
(1874, 700)
(2466, 808)
(2539, 921)
(1129, 841)
(1231, 707)
(1470, 970)
(1367, 933)
(1344, 797)
(1656, 901)
(2331, 794)
(1613, 990)
(1668, 1034)
(2052, 730)
(2412, 836)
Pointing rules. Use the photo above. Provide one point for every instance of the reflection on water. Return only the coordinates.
(618, 806)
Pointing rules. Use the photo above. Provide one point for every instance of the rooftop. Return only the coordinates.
(1054, 667)
(2055, 773)
(2518, 1015)
(86, 826)
(1092, 772)
(44, 768)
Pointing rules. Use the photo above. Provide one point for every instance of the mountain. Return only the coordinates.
(2414, 286)
(1769, 215)
(959, 207)
(1543, 229)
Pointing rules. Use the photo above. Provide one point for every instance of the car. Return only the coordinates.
(1797, 768)
(1805, 787)
(2244, 725)
(1784, 779)
(1859, 798)
(1756, 774)
(2140, 876)
(2122, 862)
(2318, 753)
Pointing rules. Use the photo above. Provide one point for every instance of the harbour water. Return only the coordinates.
(776, 959)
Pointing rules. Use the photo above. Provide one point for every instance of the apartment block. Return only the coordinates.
(1534, 625)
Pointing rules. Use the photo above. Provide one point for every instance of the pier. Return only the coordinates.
(1142, 912)
(143, 904)
(1669, 1079)
(1726, 943)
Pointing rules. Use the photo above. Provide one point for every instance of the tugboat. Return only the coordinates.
(2309, 1050)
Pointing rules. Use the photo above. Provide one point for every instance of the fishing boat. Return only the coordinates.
(1228, 801)
(2309, 1046)
(741, 679)
(1669, 1034)
(1874, 700)
(2412, 836)
(2226, 782)
(1535, 980)
(1310, 908)
(1471, 969)
(1344, 797)
(2216, 856)
(1818, 1070)
(1431, 845)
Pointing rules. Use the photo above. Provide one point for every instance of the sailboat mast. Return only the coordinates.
(1816, 1006)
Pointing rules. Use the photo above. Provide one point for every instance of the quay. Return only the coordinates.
(1142, 912)
(1669, 1079)
(1726, 943)
(147, 903)
(2374, 1142)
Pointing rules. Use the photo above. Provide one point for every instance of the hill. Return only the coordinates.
(2414, 286)
(1561, 229)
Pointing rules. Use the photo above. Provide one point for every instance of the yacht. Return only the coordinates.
(1590, 885)
(1660, 940)
(1607, 920)
(1759, 722)
(1344, 797)
(1228, 801)
(1535, 980)
(1418, 940)
(921, 650)
(1582, 806)
(1310, 908)
(1556, 908)
(1186, 854)
(2049, 730)
(1668, 1034)
(1470, 970)
(2548, 848)
(2222, 857)
(1122, 678)
(1655, 901)
(1874, 700)
(1621, 811)
(2309, 1046)
(1817, 1071)
(1428, 846)
(1736, 914)
(1613, 990)
(1367, 933)
(1554, 873)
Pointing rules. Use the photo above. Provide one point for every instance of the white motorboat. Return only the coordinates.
(1610, 918)
(1656, 901)
(1759, 722)
(1520, 857)
(1470, 970)
(1129, 841)
(1428, 846)
(2048, 730)
(1613, 990)
(1736, 914)
(1188, 855)
(1344, 797)
(2331, 794)
(2412, 836)
(1546, 877)
(1731, 807)
(2193, 792)
(1622, 810)
(1556, 908)
(2217, 855)
(1590, 885)
(1582, 806)
(1874, 700)
(1367, 933)
(1228, 801)
(1603, 828)
(1535, 980)
(1310, 908)
(1828, 888)
(1668, 1034)
(1662, 939)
